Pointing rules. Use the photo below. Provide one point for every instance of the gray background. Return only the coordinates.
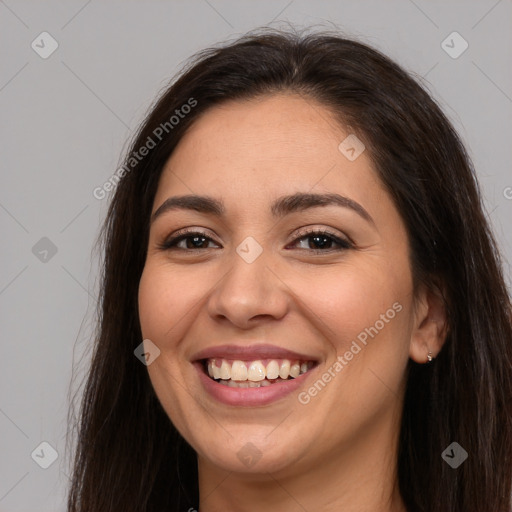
(65, 123)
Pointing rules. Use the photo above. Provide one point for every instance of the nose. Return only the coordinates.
(249, 292)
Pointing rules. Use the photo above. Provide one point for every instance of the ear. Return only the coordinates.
(430, 325)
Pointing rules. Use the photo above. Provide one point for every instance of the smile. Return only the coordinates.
(252, 375)
(255, 374)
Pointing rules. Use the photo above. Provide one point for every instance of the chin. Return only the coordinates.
(251, 460)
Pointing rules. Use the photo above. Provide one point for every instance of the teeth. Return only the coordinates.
(225, 370)
(247, 384)
(239, 371)
(216, 371)
(284, 371)
(295, 370)
(272, 369)
(254, 373)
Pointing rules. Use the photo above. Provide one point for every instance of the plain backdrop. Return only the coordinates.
(65, 120)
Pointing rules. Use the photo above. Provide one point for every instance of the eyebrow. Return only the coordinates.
(279, 208)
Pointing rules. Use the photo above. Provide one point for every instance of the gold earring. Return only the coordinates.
(429, 356)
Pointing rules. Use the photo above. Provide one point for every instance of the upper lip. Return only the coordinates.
(250, 352)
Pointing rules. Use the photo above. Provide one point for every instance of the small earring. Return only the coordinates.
(429, 356)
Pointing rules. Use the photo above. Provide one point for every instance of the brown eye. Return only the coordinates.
(193, 241)
(322, 241)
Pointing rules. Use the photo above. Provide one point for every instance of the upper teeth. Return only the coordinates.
(255, 370)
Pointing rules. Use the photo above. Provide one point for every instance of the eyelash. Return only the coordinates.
(171, 243)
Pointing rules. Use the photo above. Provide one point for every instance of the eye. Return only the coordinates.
(193, 240)
(316, 241)
(322, 241)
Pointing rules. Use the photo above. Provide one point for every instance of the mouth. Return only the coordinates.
(254, 373)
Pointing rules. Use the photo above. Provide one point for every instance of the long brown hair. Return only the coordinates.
(129, 456)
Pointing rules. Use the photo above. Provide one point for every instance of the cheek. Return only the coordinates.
(150, 301)
(160, 306)
(354, 299)
(162, 313)
(364, 313)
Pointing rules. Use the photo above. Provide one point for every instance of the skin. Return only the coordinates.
(338, 451)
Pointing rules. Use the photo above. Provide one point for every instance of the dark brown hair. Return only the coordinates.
(129, 457)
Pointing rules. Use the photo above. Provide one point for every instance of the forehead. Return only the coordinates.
(264, 127)
(282, 143)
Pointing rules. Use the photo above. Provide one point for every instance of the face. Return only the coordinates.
(300, 309)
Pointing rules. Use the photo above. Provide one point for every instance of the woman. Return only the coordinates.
(303, 305)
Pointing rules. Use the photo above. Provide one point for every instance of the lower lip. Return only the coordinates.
(249, 396)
